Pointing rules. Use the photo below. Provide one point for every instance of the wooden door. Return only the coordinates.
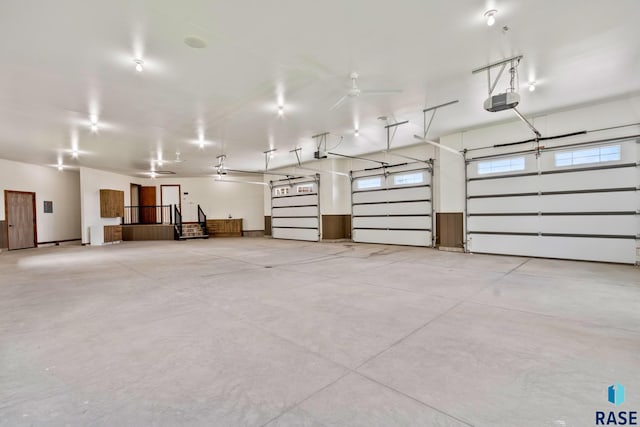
(148, 205)
(20, 214)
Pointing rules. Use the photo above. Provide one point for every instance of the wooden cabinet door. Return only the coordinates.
(21, 219)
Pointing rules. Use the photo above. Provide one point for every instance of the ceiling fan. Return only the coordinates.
(355, 91)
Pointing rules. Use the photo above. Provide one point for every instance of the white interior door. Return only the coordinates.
(170, 196)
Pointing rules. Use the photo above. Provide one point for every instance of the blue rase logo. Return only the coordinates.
(616, 394)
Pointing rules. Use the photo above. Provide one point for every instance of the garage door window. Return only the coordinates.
(366, 183)
(307, 188)
(590, 155)
(511, 164)
(408, 178)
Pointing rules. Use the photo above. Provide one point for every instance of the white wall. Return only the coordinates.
(91, 182)
(218, 199)
(60, 187)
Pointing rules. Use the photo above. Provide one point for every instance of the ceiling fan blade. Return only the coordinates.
(380, 92)
(436, 144)
(339, 103)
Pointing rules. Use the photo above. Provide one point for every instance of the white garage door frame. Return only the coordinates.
(391, 211)
(295, 209)
(584, 211)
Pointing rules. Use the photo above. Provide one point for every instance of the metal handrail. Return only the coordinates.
(202, 220)
(178, 219)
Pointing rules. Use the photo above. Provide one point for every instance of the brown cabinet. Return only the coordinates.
(224, 227)
(112, 233)
(111, 203)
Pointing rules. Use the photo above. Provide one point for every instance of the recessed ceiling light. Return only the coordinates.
(532, 86)
(60, 167)
(357, 132)
(280, 110)
(491, 16)
(153, 175)
(195, 42)
(139, 65)
(74, 154)
(94, 127)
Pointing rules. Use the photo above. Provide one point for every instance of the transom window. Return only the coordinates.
(511, 164)
(365, 183)
(305, 188)
(281, 191)
(609, 153)
(408, 178)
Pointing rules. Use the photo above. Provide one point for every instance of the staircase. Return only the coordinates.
(192, 231)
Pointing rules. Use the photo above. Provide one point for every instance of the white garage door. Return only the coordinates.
(574, 202)
(295, 209)
(392, 205)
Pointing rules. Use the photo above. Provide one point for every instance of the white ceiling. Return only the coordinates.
(61, 61)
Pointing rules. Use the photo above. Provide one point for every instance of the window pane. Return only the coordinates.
(501, 165)
(411, 178)
(363, 183)
(590, 155)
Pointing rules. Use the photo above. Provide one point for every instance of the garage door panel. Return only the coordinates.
(391, 195)
(589, 224)
(294, 234)
(581, 248)
(509, 224)
(397, 212)
(302, 211)
(525, 184)
(504, 204)
(588, 202)
(583, 205)
(392, 222)
(294, 222)
(307, 200)
(295, 212)
(393, 237)
(600, 179)
(393, 208)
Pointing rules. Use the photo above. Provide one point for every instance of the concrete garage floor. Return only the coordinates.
(234, 332)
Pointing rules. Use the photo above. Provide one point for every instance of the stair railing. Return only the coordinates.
(178, 219)
(202, 220)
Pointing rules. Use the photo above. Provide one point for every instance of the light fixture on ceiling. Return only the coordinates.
(201, 144)
(281, 110)
(532, 86)
(139, 65)
(153, 175)
(356, 132)
(60, 166)
(94, 126)
(491, 16)
(74, 154)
